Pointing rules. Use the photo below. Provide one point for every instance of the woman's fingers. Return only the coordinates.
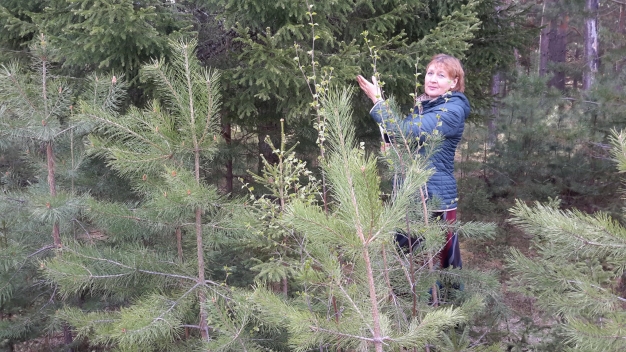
(364, 84)
(376, 86)
(370, 89)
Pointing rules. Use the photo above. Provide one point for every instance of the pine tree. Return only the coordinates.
(577, 274)
(355, 289)
(151, 269)
(36, 114)
(44, 159)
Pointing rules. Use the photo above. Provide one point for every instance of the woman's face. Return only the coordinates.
(438, 81)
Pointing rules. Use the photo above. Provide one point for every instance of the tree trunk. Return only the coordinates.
(227, 135)
(52, 184)
(56, 237)
(591, 43)
(378, 343)
(378, 338)
(495, 110)
(622, 19)
(204, 329)
(575, 77)
(179, 243)
(621, 28)
(558, 50)
(544, 41)
(265, 150)
(67, 337)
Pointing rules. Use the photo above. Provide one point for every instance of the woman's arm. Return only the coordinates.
(446, 119)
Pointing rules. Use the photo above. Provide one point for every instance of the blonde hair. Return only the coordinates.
(453, 67)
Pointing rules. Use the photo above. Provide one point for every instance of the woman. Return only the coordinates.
(443, 107)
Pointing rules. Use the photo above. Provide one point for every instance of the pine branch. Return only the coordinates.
(138, 136)
(377, 340)
(116, 263)
(356, 308)
(163, 80)
(597, 287)
(18, 270)
(585, 241)
(191, 326)
(618, 2)
(174, 304)
(11, 74)
(213, 87)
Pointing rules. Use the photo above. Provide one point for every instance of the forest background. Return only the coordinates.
(198, 175)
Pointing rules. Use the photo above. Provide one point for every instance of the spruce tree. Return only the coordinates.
(280, 47)
(276, 247)
(94, 35)
(17, 27)
(115, 35)
(330, 33)
(267, 73)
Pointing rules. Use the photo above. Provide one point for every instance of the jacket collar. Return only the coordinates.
(425, 100)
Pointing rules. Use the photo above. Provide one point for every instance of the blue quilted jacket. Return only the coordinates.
(445, 114)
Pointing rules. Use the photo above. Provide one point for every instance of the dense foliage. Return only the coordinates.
(149, 202)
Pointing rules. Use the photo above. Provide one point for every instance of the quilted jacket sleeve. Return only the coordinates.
(446, 118)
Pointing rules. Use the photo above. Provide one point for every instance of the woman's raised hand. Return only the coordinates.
(371, 89)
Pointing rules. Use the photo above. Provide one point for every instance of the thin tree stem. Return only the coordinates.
(431, 266)
(370, 274)
(53, 190)
(204, 330)
(179, 243)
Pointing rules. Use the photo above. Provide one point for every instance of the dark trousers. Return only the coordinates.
(450, 254)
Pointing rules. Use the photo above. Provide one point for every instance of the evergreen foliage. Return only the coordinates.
(119, 35)
(278, 43)
(112, 227)
(355, 288)
(26, 301)
(330, 34)
(154, 264)
(17, 26)
(277, 247)
(504, 30)
(577, 273)
(549, 144)
(95, 35)
(43, 164)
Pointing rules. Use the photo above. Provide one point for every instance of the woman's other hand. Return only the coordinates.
(371, 89)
